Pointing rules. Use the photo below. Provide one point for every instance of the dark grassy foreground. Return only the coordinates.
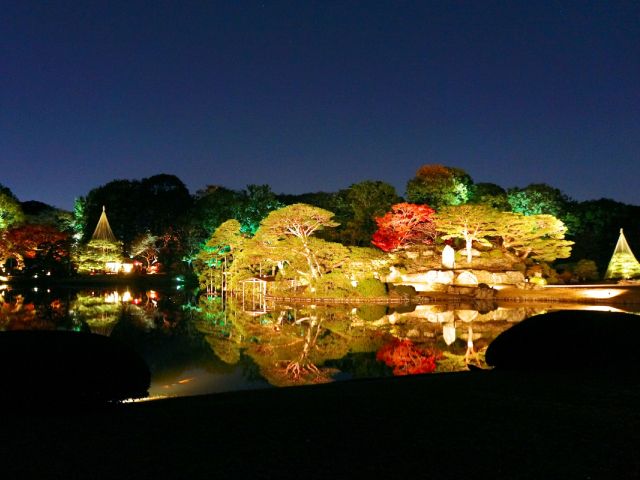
(469, 425)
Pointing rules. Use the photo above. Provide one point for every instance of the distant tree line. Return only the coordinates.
(158, 220)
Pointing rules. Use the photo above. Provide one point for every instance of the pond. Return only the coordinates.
(204, 345)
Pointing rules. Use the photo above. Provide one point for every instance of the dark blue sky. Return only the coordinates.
(309, 96)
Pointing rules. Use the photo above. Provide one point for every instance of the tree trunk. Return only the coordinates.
(469, 244)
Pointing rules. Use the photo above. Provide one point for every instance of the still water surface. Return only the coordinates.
(198, 346)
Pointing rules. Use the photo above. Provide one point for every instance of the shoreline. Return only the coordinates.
(584, 294)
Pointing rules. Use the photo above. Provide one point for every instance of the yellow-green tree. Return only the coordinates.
(10, 211)
(473, 223)
(95, 254)
(536, 237)
(298, 223)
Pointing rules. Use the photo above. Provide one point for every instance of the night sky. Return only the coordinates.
(309, 96)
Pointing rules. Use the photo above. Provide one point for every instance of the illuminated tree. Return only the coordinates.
(10, 211)
(473, 223)
(536, 199)
(255, 203)
(539, 199)
(538, 237)
(406, 225)
(623, 262)
(94, 255)
(437, 186)
(218, 253)
(298, 223)
(43, 244)
(145, 246)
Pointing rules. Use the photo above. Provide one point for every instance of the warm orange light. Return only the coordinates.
(602, 293)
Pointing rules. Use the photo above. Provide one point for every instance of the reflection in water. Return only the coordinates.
(210, 346)
(100, 313)
(306, 344)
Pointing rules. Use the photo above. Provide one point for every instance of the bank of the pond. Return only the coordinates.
(498, 425)
(609, 294)
(142, 281)
(603, 294)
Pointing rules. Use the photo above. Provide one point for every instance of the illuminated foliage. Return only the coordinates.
(255, 203)
(41, 243)
(536, 199)
(212, 206)
(473, 223)
(218, 252)
(406, 225)
(536, 237)
(623, 263)
(78, 224)
(298, 222)
(437, 186)
(94, 255)
(145, 246)
(542, 199)
(10, 211)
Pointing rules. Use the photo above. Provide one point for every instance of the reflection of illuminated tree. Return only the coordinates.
(15, 313)
(289, 347)
(221, 333)
(96, 312)
(406, 358)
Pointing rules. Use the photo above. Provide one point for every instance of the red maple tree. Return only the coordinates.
(30, 241)
(405, 225)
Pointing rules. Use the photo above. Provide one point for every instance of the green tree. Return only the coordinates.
(586, 270)
(438, 186)
(540, 198)
(218, 253)
(358, 207)
(212, 206)
(491, 195)
(255, 203)
(536, 199)
(10, 211)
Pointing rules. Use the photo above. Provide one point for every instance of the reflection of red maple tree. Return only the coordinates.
(406, 358)
(406, 224)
